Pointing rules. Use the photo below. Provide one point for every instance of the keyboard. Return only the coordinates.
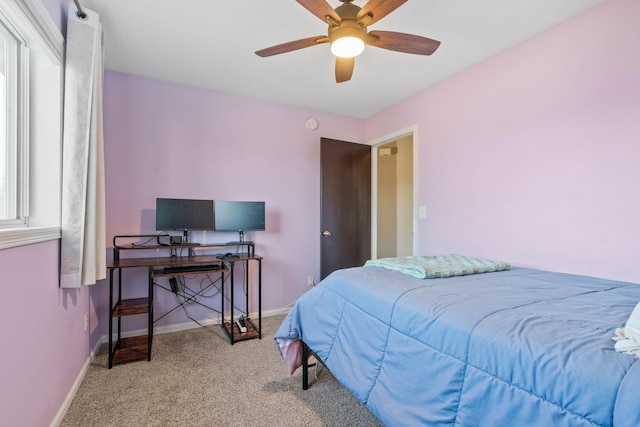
(188, 268)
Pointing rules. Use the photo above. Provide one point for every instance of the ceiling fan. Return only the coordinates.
(348, 33)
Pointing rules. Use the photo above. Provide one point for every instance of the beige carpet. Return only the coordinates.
(196, 378)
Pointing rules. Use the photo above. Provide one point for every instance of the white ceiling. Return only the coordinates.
(211, 43)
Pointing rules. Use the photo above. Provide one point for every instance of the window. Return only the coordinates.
(31, 84)
(12, 210)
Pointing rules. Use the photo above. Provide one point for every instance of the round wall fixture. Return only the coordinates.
(311, 124)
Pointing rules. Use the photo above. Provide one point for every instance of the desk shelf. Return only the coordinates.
(129, 307)
(131, 349)
(251, 333)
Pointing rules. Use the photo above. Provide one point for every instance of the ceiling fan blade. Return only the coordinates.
(379, 9)
(344, 69)
(401, 42)
(320, 8)
(290, 46)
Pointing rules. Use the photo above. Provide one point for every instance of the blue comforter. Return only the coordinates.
(512, 348)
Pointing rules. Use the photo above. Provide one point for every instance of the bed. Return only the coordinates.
(517, 347)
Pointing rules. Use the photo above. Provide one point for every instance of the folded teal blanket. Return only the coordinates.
(438, 266)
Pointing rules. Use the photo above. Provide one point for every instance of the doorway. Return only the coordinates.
(368, 195)
(394, 225)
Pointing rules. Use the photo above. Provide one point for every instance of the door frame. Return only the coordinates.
(375, 145)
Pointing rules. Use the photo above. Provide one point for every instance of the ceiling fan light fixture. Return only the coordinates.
(347, 41)
(347, 47)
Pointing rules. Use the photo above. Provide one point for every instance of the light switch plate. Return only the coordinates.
(422, 212)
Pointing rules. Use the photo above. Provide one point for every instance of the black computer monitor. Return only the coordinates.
(184, 214)
(239, 216)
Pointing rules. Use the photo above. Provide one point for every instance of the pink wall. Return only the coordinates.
(45, 345)
(532, 156)
(164, 140)
(529, 157)
(42, 328)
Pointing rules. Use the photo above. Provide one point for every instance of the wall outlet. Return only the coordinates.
(310, 281)
(86, 321)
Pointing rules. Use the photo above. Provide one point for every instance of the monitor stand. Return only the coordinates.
(241, 240)
(185, 241)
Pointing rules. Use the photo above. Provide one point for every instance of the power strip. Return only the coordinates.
(240, 323)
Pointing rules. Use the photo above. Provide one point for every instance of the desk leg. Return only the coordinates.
(259, 299)
(232, 325)
(150, 313)
(110, 318)
(246, 287)
(119, 333)
(222, 300)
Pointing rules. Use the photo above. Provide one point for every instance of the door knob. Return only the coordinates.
(326, 233)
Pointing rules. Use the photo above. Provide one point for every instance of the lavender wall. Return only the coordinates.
(528, 157)
(164, 140)
(45, 345)
(532, 156)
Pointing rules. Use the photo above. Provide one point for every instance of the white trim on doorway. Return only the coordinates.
(375, 144)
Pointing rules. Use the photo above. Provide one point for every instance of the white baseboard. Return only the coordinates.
(176, 327)
(74, 388)
(72, 393)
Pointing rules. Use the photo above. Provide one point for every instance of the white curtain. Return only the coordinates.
(83, 244)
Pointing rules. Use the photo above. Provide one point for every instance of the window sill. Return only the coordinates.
(25, 236)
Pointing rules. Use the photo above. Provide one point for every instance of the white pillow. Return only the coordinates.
(628, 338)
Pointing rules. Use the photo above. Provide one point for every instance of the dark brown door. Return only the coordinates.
(345, 205)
